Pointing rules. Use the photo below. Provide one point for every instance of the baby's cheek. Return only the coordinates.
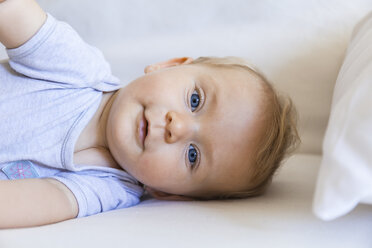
(148, 165)
(144, 162)
(155, 165)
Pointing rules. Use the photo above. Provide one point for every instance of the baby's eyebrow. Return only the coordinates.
(211, 90)
(211, 97)
(207, 157)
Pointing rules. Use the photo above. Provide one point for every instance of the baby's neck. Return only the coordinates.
(94, 133)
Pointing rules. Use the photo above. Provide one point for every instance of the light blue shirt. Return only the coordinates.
(49, 90)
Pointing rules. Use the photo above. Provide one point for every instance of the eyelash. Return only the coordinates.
(200, 93)
(193, 165)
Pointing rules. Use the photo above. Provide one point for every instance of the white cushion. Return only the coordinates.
(345, 176)
(282, 218)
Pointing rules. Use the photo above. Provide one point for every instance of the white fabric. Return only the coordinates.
(345, 176)
(281, 219)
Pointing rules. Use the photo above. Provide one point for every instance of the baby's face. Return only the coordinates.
(203, 125)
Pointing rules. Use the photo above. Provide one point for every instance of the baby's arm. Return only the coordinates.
(34, 202)
(19, 21)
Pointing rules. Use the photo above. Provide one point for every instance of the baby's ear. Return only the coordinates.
(166, 196)
(168, 63)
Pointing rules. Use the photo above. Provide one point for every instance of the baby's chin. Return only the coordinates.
(120, 155)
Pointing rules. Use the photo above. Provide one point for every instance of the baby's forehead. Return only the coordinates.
(232, 131)
(238, 79)
(231, 171)
(237, 88)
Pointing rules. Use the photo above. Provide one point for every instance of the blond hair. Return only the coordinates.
(280, 139)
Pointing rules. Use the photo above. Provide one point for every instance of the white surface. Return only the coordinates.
(282, 218)
(300, 46)
(345, 176)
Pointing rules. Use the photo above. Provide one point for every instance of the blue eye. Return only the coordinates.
(194, 100)
(192, 155)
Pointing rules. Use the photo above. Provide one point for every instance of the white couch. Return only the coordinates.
(299, 45)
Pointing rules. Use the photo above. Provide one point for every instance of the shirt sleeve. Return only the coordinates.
(97, 191)
(56, 53)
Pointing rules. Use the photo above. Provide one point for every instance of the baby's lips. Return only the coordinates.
(143, 129)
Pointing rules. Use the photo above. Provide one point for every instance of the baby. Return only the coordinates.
(80, 143)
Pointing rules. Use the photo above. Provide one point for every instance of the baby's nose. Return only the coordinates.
(178, 126)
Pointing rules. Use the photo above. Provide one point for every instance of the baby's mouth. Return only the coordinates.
(143, 129)
(146, 126)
